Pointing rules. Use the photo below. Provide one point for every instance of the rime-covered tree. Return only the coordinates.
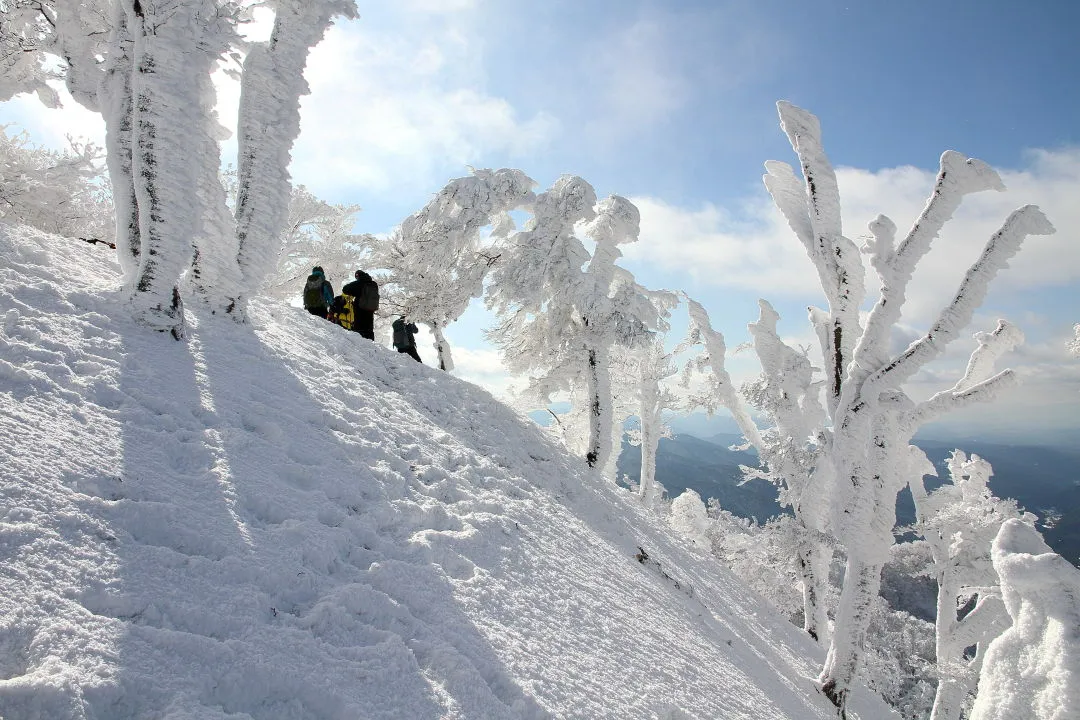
(558, 319)
(437, 260)
(1032, 670)
(58, 192)
(1073, 345)
(871, 419)
(959, 522)
(646, 370)
(145, 66)
(787, 395)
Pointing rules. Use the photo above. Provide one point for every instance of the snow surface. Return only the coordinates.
(285, 520)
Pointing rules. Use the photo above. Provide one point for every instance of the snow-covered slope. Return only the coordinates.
(284, 520)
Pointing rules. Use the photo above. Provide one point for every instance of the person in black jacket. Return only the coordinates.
(404, 340)
(364, 294)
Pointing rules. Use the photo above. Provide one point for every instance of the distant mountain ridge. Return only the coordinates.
(1043, 480)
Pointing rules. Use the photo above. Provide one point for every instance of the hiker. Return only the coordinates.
(341, 312)
(318, 293)
(404, 340)
(363, 294)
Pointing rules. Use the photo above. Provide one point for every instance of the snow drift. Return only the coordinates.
(284, 520)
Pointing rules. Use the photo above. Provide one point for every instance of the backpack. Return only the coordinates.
(369, 297)
(342, 310)
(401, 337)
(313, 292)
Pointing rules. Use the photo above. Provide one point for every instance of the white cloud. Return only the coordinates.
(755, 250)
(482, 367)
(396, 111)
(638, 82)
(51, 127)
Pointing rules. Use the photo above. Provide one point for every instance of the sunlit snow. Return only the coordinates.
(285, 520)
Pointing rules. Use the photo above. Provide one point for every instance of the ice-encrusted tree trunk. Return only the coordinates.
(118, 114)
(1032, 670)
(959, 522)
(787, 394)
(872, 419)
(652, 366)
(603, 316)
(145, 66)
(169, 119)
(268, 125)
(437, 261)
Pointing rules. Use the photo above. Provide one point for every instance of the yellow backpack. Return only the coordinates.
(342, 309)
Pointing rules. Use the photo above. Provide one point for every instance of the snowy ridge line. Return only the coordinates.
(282, 520)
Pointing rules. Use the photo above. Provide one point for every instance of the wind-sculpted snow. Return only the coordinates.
(1032, 671)
(283, 520)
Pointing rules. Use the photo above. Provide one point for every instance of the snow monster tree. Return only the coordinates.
(871, 419)
(145, 65)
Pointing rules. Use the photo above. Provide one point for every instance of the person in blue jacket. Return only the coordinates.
(318, 293)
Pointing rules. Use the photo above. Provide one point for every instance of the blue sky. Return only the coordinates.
(673, 105)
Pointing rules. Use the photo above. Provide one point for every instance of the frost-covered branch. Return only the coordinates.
(835, 257)
(1005, 243)
(721, 391)
(957, 177)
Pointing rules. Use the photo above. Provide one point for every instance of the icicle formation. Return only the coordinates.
(872, 419)
(436, 259)
(1032, 671)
